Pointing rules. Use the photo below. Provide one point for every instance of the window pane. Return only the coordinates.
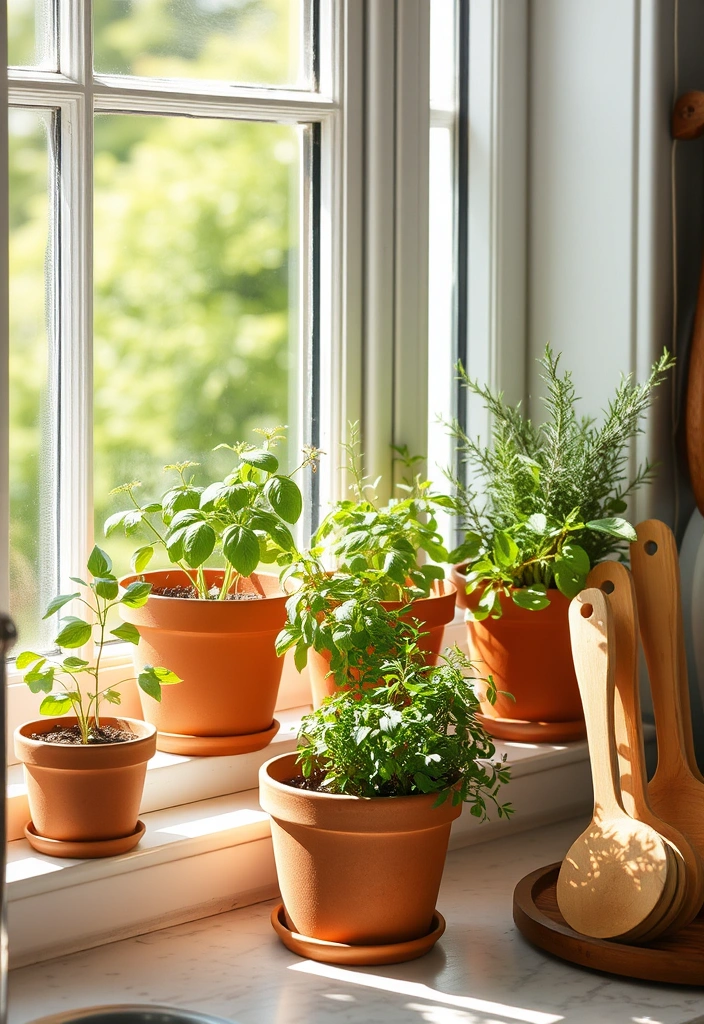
(32, 539)
(196, 283)
(251, 41)
(30, 28)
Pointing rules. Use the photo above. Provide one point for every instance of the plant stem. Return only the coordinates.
(226, 581)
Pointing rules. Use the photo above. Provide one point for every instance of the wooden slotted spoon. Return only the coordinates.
(615, 876)
(616, 582)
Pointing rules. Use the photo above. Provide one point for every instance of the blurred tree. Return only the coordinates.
(195, 230)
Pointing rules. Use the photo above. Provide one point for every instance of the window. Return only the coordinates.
(174, 187)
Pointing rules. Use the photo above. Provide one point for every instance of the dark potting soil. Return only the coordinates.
(72, 735)
(191, 592)
(299, 782)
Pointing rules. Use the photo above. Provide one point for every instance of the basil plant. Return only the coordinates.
(244, 519)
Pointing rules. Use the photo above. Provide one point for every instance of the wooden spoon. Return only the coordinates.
(614, 876)
(676, 791)
(616, 582)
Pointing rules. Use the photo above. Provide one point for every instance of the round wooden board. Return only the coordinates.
(675, 960)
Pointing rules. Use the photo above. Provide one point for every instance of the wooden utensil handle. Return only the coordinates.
(614, 579)
(656, 578)
(591, 634)
(695, 400)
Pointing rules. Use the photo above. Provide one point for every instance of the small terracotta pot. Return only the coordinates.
(357, 870)
(529, 655)
(433, 612)
(224, 653)
(84, 793)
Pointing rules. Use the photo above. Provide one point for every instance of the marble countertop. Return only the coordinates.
(481, 972)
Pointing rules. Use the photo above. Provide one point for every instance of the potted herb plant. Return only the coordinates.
(85, 771)
(361, 814)
(546, 505)
(216, 627)
(376, 549)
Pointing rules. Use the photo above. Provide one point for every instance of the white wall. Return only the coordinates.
(600, 236)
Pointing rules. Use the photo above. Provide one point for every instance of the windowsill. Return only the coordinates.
(211, 855)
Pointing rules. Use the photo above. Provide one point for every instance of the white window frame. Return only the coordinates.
(77, 93)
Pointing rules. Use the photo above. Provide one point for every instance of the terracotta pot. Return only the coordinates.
(364, 871)
(458, 575)
(224, 653)
(529, 654)
(434, 613)
(84, 793)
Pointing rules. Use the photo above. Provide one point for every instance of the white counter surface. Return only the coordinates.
(481, 972)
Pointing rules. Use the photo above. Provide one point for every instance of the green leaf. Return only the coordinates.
(300, 655)
(148, 681)
(238, 496)
(533, 598)
(56, 704)
(396, 567)
(569, 581)
(73, 664)
(505, 549)
(99, 563)
(615, 527)
(576, 557)
(468, 549)
(113, 522)
(180, 499)
(107, 588)
(617, 505)
(40, 682)
(126, 631)
(212, 494)
(58, 602)
(241, 548)
(112, 697)
(261, 460)
(537, 523)
(141, 558)
(165, 676)
(75, 633)
(285, 498)
(198, 543)
(136, 594)
(27, 658)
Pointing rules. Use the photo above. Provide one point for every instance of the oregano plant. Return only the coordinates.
(360, 534)
(547, 499)
(72, 683)
(407, 728)
(244, 518)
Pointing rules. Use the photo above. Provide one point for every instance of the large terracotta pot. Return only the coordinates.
(224, 653)
(84, 793)
(529, 655)
(363, 871)
(433, 612)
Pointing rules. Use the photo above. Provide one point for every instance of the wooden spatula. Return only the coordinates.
(676, 792)
(615, 581)
(614, 876)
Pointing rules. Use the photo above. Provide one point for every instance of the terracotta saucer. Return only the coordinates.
(211, 746)
(533, 732)
(355, 956)
(83, 850)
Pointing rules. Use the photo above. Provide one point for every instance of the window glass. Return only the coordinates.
(196, 286)
(248, 41)
(30, 26)
(32, 495)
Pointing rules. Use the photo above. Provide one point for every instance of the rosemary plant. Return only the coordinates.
(553, 493)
